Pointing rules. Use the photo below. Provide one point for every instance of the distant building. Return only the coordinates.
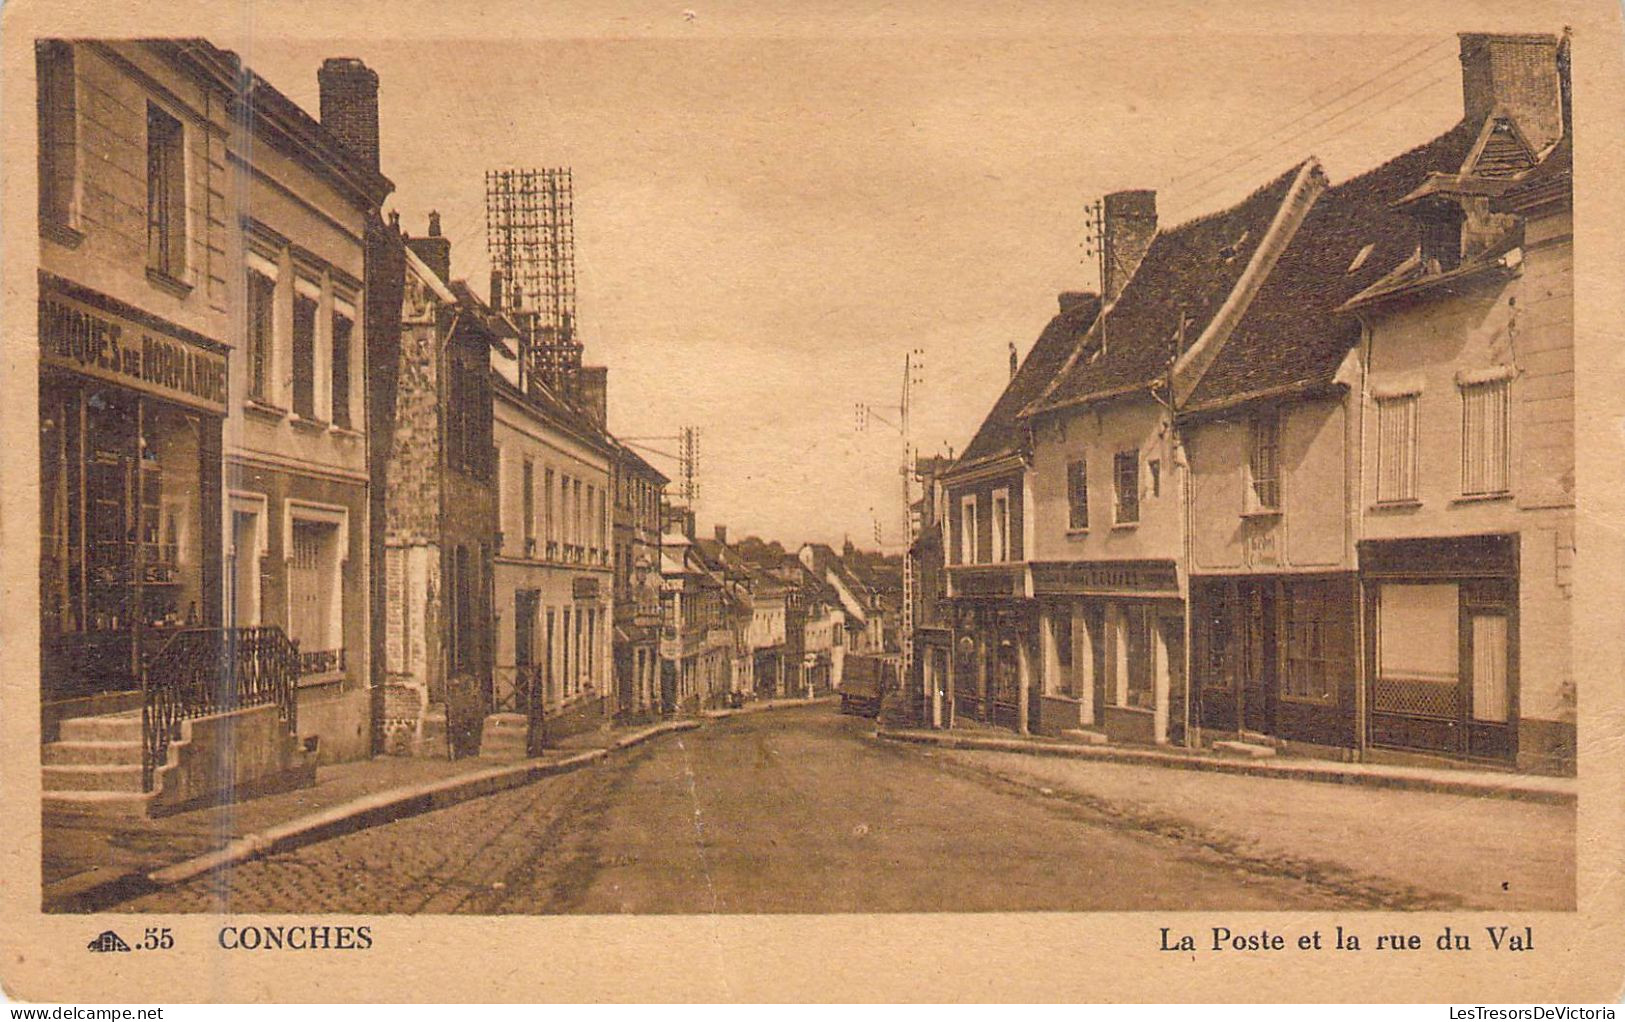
(639, 491)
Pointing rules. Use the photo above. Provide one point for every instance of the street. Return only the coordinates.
(788, 811)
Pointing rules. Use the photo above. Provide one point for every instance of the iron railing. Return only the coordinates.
(203, 671)
(321, 661)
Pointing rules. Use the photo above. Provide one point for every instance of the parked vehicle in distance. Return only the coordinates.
(864, 682)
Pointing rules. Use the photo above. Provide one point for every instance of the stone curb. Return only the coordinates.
(1325, 773)
(771, 704)
(96, 889)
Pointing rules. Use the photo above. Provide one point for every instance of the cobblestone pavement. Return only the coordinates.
(791, 811)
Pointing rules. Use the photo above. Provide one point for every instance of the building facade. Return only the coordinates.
(441, 511)
(639, 489)
(554, 577)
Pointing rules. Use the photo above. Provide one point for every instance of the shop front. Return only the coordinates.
(995, 640)
(130, 487)
(1113, 649)
(1276, 659)
(1441, 645)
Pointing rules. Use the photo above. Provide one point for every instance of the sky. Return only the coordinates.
(765, 227)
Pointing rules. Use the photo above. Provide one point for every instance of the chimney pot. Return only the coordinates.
(434, 223)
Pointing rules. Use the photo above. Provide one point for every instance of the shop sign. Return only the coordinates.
(584, 587)
(1100, 577)
(95, 342)
(970, 580)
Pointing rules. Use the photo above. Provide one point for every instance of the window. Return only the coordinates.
(1484, 431)
(1001, 526)
(166, 194)
(1310, 662)
(1441, 241)
(304, 356)
(1418, 649)
(1126, 482)
(315, 594)
(261, 332)
(53, 63)
(1490, 687)
(527, 505)
(1077, 494)
(463, 628)
(1396, 449)
(967, 530)
(547, 513)
(1264, 463)
(342, 329)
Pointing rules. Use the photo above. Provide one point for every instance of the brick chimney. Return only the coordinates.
(349, 99)
(1517, 74)
(722, 534)
(434, 250)
(1129, 224)
(496, 290)
(592, 391)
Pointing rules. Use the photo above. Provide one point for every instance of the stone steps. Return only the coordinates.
(103, 777)
(1084, 737)
(92, 753)
(1244, 750)
(504, 736)
(118, 727)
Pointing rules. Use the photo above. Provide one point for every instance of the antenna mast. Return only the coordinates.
(530, 234)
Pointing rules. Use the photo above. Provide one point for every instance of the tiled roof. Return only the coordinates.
(1292, 333)
(1000, 432)
(1190, 269)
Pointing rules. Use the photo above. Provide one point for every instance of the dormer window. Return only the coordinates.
(1441, 240)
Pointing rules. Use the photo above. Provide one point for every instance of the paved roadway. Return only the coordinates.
(785, 811)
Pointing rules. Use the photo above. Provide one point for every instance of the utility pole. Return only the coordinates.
(1095, 248)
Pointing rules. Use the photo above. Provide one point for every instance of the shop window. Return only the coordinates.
(1396, 449)
(1001, 526)
(1126, 484)
(343, 328)
(1311, 649)
(1065, 681)
(1139, 691)
(1418, 649)
(58, 155)
(1264, 463)
(261, 332)
(304, 356)
(1218, 634)
(1077, 494)
(166, 194)
(1484, 430)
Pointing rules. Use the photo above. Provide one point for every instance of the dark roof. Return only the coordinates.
(496, 326)
(1192, 269)
(1293, 334)
(1000, 433)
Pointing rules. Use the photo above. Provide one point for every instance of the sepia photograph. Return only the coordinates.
(673, 472)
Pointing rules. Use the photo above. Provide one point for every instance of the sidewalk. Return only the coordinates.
(1443, 780)
(769, 704)
(1410, 849)
(91, 859)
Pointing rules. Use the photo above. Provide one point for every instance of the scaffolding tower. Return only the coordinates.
(530, 234)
